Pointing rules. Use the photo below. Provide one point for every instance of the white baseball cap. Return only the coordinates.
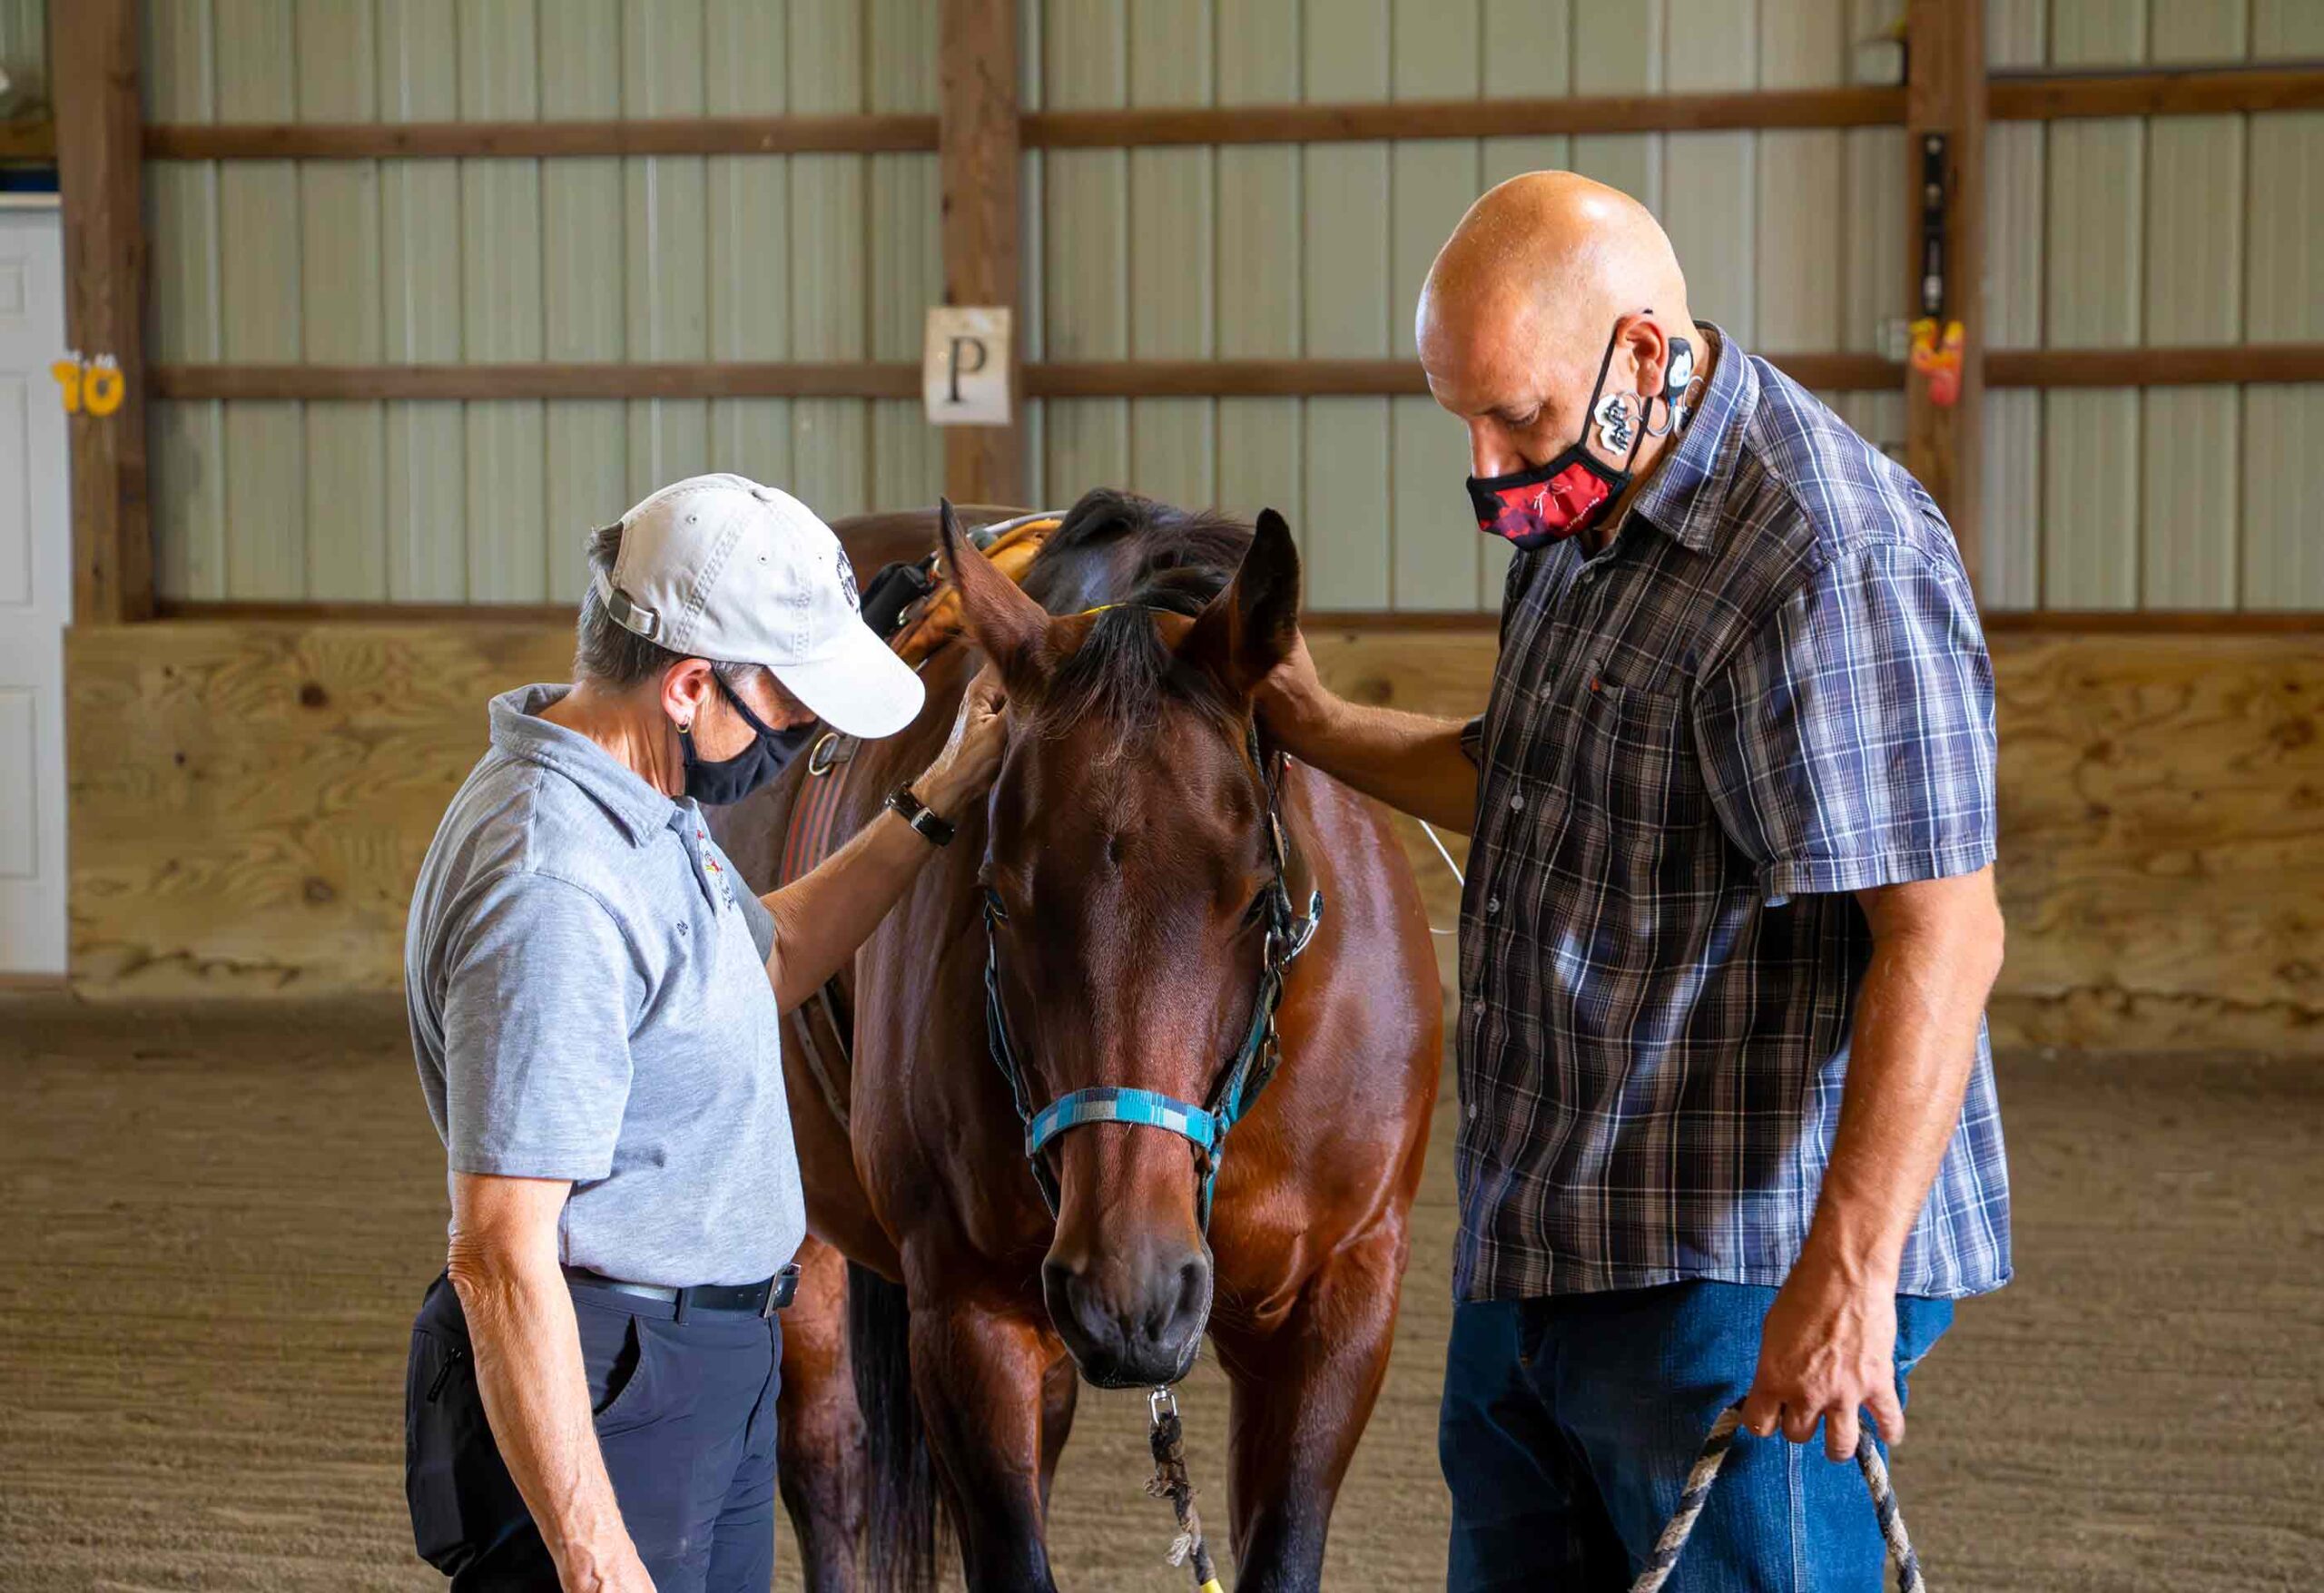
(720, 567)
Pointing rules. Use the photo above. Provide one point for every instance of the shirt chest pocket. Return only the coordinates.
(1634, 760)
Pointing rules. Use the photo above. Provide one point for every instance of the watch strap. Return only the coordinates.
(915, 813)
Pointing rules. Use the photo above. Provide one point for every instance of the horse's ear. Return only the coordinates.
(1012, 629)
(1247, 629)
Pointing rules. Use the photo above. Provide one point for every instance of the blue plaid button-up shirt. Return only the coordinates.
(1768, 691)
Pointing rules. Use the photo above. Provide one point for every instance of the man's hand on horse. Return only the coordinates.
(963, 771)
(1826, 1351)
(1291, 698)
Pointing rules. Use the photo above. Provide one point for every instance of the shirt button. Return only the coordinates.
(1516, 802)
(1476, 1008)
(1492, 905)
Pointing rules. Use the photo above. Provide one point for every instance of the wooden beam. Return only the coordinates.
(2154, 367)
(2152, 622)
(844, 380)
(28, 140)
(368, 141)
(978, 164)
(2046, 96)
(1130, 378)
(94, 60)
(1945, 97)
(1408, 119)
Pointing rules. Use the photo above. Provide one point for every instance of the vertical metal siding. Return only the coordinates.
(1436, 551)
(259, 319)
(1342, 525)
(420, 245)
(500, 306)
(830, 437)
(2095, 250)
(1173, 260)
(2283, 468)
(1260, 281)
(584, 269)
(339, 309)
(186, 442)
(1085, 271)
(2189, 490)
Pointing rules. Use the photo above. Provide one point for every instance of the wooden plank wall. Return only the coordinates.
(250, 803)
(2116, 232)
(1792, 239)
(660, 258)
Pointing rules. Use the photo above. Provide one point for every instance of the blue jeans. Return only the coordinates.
(1569, 1424)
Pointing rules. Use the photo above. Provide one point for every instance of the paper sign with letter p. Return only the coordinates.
(965, 365)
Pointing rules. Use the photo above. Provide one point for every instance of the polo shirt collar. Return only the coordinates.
(1688, 495)
(517, 729)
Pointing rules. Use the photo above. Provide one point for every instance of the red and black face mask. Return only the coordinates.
(1548, 503)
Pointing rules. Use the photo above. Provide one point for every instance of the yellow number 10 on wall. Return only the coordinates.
(93, 385)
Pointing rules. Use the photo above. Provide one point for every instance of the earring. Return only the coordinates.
(686, 727)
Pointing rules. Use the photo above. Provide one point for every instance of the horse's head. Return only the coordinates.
(1132, 878)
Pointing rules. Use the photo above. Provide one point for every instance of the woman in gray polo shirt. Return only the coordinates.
(594, 1003)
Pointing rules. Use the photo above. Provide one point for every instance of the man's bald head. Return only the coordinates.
(1521, 300)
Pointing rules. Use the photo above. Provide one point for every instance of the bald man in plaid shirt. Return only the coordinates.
(1728, 1122)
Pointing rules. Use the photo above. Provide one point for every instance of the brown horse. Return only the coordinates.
(1136, 897)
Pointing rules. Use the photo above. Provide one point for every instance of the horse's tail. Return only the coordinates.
(900, 1522)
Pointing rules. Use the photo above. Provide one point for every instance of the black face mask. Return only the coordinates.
(730, 780)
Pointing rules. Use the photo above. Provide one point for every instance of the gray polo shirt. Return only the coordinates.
(586, 982)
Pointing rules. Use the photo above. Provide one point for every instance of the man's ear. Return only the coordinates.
(1012, 629)
(1247, 629)
(686, 689)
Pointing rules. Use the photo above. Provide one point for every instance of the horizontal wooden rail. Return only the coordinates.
(2167, 621)
(1128, 378)
(2047, 96)
(1342, 123)
(2153, 368)
(28, 140)
(1166, 378)
(2010, 97)
(852, 380)
(364, 140)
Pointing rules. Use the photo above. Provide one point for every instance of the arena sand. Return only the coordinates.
(217, 1225)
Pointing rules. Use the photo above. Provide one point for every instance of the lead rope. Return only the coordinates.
(1667, 1547)
(1170, 1481)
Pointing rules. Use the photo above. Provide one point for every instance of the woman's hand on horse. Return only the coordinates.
(964, 770)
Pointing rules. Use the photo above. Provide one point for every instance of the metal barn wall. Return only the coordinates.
(2182, 230)
(1792, 240)
(24, 55)
(662, 259)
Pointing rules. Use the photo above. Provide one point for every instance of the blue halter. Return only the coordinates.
(1247, 1073)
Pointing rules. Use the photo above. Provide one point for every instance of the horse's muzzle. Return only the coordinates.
(1131, 1326)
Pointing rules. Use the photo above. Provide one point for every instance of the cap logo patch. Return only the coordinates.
(847, 582)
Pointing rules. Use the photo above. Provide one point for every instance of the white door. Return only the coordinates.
(35, 588)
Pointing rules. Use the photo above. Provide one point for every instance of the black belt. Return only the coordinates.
(763, 1298)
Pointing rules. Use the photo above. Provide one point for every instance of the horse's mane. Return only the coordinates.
(1136, 556)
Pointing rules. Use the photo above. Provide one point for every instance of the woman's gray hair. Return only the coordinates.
(613, 656)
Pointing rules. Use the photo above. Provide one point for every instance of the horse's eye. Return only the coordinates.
(1257, 910)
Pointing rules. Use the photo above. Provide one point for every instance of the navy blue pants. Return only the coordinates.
(1569, 1425)
(684, 1418)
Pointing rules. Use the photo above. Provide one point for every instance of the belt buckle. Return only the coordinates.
(780, 1290)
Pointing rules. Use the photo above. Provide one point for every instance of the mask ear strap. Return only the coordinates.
(757, 725)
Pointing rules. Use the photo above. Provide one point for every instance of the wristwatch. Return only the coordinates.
(914, 812)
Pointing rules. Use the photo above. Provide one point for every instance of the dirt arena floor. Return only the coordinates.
(216, 1228)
